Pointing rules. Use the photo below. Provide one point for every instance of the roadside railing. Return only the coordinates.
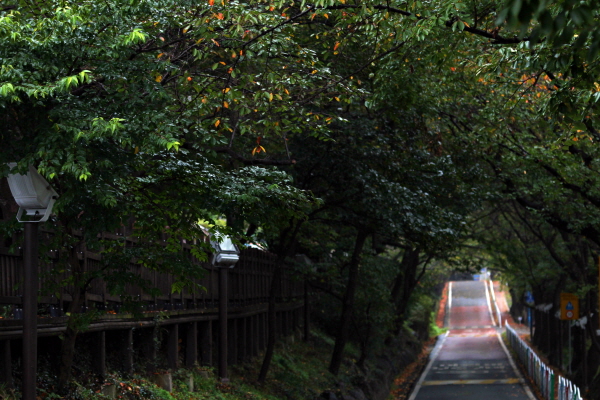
(495, 303)
(543, 376)
(566, 390)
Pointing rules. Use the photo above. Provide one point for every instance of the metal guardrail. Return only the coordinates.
(495, 303)
(543, 376)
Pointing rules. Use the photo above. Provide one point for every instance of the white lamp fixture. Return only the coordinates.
(226, 253)
(33, 194)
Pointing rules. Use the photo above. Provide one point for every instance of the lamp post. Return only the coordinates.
(226, 255)
(35, 198)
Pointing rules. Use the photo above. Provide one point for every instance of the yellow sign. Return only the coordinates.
(569, 306)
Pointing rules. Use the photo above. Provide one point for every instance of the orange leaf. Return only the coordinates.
(211, 2)
(258, 149)
(337, 44)
(220, 16)
(217, 123)
(160, 55)
(158, 78)
(225, 104)
(215, 42)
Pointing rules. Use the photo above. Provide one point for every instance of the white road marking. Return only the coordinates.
(432, 358)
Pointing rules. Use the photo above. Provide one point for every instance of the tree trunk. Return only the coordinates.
(348, 304)
(404, 284)
(286, 246)
(67, 351)
(271, 323)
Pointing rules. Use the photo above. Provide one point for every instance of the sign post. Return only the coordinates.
(569, 311)
(530, 301)
(569, 307)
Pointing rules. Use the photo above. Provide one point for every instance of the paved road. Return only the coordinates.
(470, 362)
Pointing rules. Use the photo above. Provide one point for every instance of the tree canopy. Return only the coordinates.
(349, 130)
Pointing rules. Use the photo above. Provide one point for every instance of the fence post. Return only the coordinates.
(191, 344)
(560, 392)
(100, 353)
(552, 385)
(173, 347)
(5, 364)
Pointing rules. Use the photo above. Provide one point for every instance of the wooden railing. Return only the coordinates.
(249, 283)
(190, 319)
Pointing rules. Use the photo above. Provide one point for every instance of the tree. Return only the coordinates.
(127, 108)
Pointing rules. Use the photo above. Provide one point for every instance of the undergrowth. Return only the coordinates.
(434, 329)
(298, 372)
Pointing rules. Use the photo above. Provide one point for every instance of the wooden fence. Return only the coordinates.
(249, 282)
(186, 323)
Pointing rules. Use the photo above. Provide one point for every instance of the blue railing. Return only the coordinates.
(543, 376)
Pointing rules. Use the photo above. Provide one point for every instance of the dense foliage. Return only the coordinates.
(388, 136)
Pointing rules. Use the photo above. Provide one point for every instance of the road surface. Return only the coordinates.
(470, 362)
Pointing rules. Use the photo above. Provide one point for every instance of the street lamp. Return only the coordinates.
(226, 254)
(33, 194)
(35, 198)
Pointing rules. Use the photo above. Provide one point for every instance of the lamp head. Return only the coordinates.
(226, 253)
(33, 194)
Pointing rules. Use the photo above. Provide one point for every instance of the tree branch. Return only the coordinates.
(497, 39)
(252, 161)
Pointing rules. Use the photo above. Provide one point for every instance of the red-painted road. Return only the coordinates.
(470, 362)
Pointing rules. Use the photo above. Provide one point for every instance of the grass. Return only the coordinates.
(434, 329)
